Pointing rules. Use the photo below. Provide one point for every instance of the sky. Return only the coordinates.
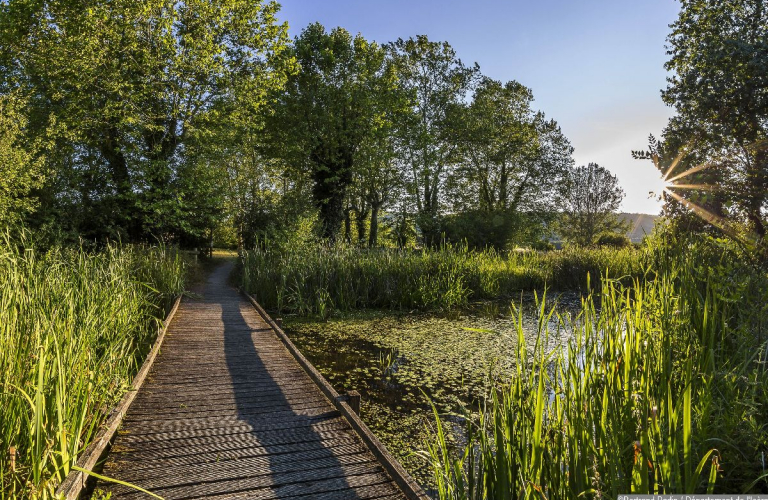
(595, 66)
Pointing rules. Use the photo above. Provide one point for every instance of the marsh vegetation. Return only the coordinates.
(75, 326)
(376, 193)
(652, 380)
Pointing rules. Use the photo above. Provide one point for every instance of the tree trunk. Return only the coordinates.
(373, 235)
(360, 217)
(331, 180)
(347, 225)
(757, 176)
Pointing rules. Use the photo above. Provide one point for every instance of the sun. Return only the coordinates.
(660, 185)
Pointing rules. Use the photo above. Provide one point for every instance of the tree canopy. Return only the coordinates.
(186, 121)
(714, 151)
(124, 89)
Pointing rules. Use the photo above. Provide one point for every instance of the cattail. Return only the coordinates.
(12, 458)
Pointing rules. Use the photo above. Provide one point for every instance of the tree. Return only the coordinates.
(719, 87)
(496, 137)
(590, 196)
(510, 162)
(336, 100)
(512, 158)
(20, 166)
(130, 85)
(437, 80)
(381, 178)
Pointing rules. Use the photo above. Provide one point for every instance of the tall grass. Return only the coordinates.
(662, 389)
(74, 327)
(317, 279)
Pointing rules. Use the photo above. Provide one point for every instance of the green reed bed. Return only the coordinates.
(319, 279)
(74, 328)
(663, 389)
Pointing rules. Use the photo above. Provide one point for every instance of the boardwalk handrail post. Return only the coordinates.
(353, 400)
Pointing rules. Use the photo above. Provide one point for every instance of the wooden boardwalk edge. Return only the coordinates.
(399, 475)
(75, 481)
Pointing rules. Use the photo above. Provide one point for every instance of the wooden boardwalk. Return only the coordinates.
(227, 412)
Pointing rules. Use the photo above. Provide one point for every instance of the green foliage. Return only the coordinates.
(509, 158)
(127, 91)
(612, 239)
(661, 389)
(480, 229)
(589, 199)
(20, 169)
(543, 246)
(74, 327)
(342, 95)
(436, 80)
(713, 150)
(312, 278)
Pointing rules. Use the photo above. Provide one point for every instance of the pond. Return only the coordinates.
(399, 362)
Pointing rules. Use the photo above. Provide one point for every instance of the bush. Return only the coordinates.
(543, 246)
(614, 240)
(480, 229)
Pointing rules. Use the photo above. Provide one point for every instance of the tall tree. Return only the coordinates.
(129, 85)
(381, 178)
(511, 158)
(333, 103)
(437, 80)
(589, 200)
(719, 87)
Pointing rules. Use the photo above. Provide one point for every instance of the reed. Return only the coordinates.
(660, 389)
(318, 279)
(74, 328)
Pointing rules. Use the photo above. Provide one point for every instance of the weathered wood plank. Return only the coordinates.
(228, 412)
(291, 451)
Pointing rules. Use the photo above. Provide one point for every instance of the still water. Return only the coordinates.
(399, 362)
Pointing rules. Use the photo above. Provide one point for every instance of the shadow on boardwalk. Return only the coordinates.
(311, 461)
(227, 412)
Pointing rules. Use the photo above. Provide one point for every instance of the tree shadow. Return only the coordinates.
(286, 413)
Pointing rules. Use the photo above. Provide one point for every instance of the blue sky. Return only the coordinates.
(595, 66)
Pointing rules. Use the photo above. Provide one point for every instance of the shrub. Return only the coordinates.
(481, 229)
(543, 246)
(614, 240)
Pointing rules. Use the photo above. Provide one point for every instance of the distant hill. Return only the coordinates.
(639, 225)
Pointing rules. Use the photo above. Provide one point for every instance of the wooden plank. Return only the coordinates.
(293, 450)
(224, 450)
(338, 477)
(228, 411)
(318, 417)
(265, 467)
(75, 481)
(407, 484)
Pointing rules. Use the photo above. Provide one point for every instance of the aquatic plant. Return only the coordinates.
(315, 279)
(662, 389)
(74, 327)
